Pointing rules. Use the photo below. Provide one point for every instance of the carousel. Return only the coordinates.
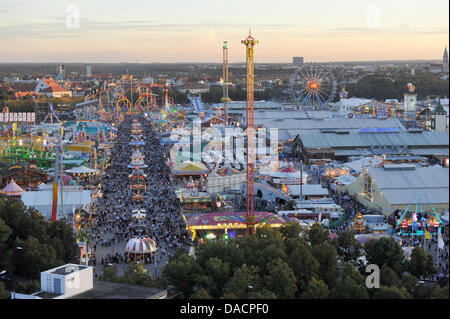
(82, 171)
(140, 248)
(137, 155)
(137, 163)
(136, 128)
(137, 173)
(138, 213)
(12, 189)
(138, 197)
(136, 142)
(137, 160)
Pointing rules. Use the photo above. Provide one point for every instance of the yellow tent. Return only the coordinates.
(190, 168)
(81, 147)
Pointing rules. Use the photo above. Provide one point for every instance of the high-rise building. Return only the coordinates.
(298, 61)
(88, 71)
(445, 61)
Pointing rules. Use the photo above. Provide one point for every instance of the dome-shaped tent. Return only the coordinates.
(12, 189)
(140, 247)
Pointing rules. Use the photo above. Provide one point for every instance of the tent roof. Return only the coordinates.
(227, 171)
(404, 186)
(45, 198)
(237, 218)
(81, 170)
(190, 167)
(12, 189)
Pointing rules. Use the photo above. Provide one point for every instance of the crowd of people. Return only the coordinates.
(113, 224)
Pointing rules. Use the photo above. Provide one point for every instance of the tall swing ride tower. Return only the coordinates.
(249, 43)
(225, 98)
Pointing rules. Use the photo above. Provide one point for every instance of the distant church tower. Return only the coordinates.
(445, 61)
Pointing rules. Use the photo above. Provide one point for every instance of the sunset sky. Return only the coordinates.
(193, 30)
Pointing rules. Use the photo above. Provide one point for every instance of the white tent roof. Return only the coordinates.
(308, 190)
(345, 179)
(81, 170)
(358, 165)
(404, 186)
(43, 200)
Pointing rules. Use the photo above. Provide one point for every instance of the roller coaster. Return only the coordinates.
(120, 100)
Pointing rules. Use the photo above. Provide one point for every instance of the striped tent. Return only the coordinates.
(12, 189)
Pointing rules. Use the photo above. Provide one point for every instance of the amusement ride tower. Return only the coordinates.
(225, 98)
(249, 43)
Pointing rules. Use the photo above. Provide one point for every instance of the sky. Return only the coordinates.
(171, 31)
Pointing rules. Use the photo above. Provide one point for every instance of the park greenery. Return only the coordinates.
(29, 243)
(382, 87)
(27, 104)
(290, 263)
(285, 263)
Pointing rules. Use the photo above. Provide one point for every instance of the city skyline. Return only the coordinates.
(180, 32)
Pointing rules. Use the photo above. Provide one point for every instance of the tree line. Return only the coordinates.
(289, 263)
(382, 87)
(30, 243)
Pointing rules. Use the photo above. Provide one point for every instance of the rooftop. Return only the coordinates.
(353, 140)
(66, 269)
(110, 290)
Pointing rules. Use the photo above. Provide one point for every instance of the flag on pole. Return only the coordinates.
(440, 239)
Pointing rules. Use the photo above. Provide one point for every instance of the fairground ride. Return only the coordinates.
(313, 86)
(420, 222)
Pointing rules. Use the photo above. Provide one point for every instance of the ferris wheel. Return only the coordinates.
(313, 85)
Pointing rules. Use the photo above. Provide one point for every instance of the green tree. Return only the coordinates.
(349, 271)
(110, 274)
(4, 294)
(423, 292)
(348, 248)
(385, 251)
(261, 294)
(136, 274)
(5, 232)
(316, 289)
(28, 287)
(326, 255)
(440, 293)
(243, 278)
(410, 283)
(219, 272)
(201, 293)
(228, 295)
(391, 293)
(33, 257)
(304, 265)
(280, 279)
(182, 274)
(317, 234)
(347, 288)
(421, 263)
(291, 230)
(29, 243)
(388, 277)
